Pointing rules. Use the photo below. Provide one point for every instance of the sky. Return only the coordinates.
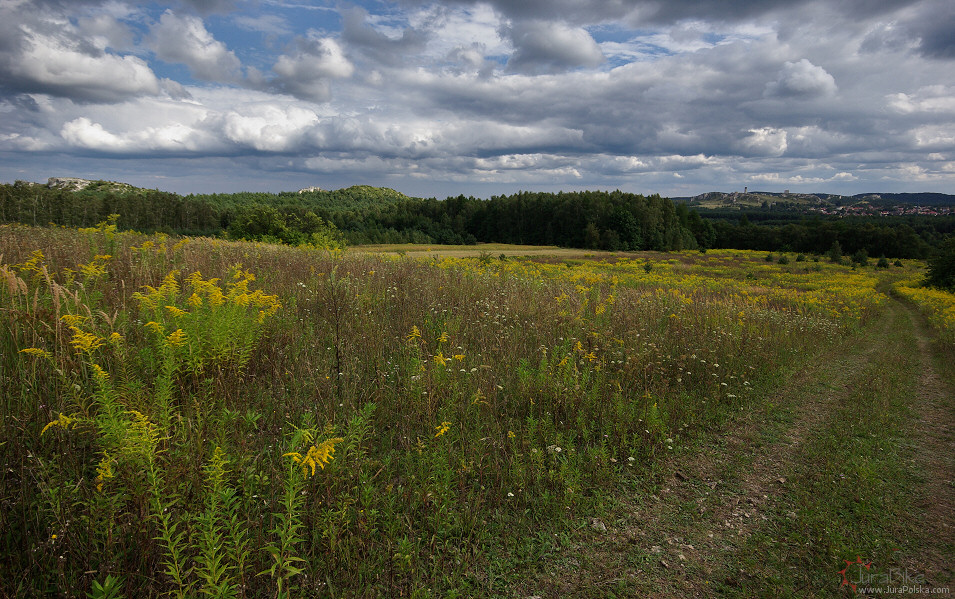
(676, 97)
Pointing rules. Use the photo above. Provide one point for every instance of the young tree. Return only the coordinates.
(835, 252)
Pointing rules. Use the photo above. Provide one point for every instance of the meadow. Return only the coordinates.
(197, 417)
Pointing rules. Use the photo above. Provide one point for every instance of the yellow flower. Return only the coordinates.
(36, 351)
(177, 338)
(414, 334)
(154, 326)
(104, 472)
(317, 455)
(510, 434)
(63, 421)
(195, 300)
(98, 373)
(442, 428)
(459, 357)
(85, 342)
(440, 359)
(72, 320)
(176, 311)
(443, 338)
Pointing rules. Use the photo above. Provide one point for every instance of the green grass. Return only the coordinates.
(482, 412)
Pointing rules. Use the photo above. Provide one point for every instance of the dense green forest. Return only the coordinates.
(895, 236)
(360, 215)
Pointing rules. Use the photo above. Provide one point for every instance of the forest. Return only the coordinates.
(607, 220)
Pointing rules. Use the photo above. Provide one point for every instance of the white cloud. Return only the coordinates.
(765, 141)
(930, 99)
(307, 71)
(185, 39)
(802, 79)
(58, 65)
(84, 133)
(268, 128)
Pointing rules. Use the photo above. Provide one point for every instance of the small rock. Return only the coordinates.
(598, 525)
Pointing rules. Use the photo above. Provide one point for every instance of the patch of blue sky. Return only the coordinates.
(294, 17)
(174, 71)
(633, 50)
(253, 46)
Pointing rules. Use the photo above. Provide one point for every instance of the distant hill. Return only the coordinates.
(918, 199)
(764, 199)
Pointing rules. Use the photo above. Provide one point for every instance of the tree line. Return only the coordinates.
(608, 220)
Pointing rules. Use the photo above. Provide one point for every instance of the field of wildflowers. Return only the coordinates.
(936, 304)
(200, 417)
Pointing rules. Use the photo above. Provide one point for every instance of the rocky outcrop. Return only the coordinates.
(72, 183)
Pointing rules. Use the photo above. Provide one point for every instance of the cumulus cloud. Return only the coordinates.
(64, 66)
(185, 39)
(86, 134)
(551, 47)
(801, 79)
(268, 128)
(765, 141)
(306, 71)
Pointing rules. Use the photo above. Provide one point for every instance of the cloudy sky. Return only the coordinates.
(675, 97)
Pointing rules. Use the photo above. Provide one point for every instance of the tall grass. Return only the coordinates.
(199, 417)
